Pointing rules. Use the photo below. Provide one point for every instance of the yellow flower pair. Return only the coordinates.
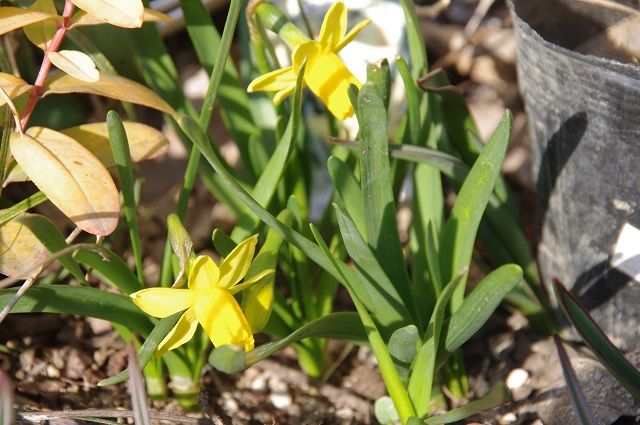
(208, 300)
(325, 73)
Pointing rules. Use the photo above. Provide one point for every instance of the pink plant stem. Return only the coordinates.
(58, 37)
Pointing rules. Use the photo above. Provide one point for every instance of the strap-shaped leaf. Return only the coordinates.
(579, 400)
(343, 325)
(497, 396)
(82, 301)
(610, 356)
(459, 233)
(109, 268)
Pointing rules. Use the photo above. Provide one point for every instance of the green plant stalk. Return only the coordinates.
(21, 207)
(124, 167)
(392, 380)
(276, 21)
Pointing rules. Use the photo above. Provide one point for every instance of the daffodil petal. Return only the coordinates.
(351, 35)
(222, 319)
(277, 80)
(302, 52)
(163, 302)
(203, 273)
(283, 94)
(333, 27)
(236, 264)
(182, 332)
(329, 79)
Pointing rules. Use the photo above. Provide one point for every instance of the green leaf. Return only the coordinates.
(310, 249)
(124, 168)
(374, 287)
(390, 376)
(109, 268)
(348, 190)
(145, 353)
(377, 191)
(424, 367)
(222, 242)
(459, 233)
(580, 403)
(610, 356)
(53, 240)
(343, 325)
(232, 97)
(82, 301)
(403, 346)
(497, 396)
(268, 181)
(480, 304)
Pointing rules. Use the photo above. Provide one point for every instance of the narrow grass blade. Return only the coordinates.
(497, 396)
(82, 301)
(21, 207)
(137, 390)
(124, 168)
(233, 99)
(459, 233)
(109, 268)
(578, 399)
(342, 325)
(145, 353)
(7, 125)
(610, 356)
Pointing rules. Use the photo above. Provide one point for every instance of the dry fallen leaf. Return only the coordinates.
(12, 18)
(75, 63)
(112, 86)
(71, 177)
(122, 13)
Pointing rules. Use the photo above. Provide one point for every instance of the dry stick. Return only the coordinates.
(38, 269)
(106, 413)
(613, 6)
(38, 90)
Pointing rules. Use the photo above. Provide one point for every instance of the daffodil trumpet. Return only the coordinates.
(207, 300)
(325, 73)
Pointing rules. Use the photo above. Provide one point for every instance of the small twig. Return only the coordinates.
(9, 281)
(613, 6)
(38, 85)
(73, 235)
(106, 413)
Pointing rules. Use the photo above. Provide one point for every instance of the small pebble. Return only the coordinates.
(52, 371)
(508, 419)
(517, 378)
(280, 401)
(259, 384)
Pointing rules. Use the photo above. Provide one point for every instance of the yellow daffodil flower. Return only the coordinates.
(325, 73)
(208, 300)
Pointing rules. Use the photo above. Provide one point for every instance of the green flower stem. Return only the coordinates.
(273, 19)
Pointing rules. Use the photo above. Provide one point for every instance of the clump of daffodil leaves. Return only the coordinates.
(325, 73)
(208, 299)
